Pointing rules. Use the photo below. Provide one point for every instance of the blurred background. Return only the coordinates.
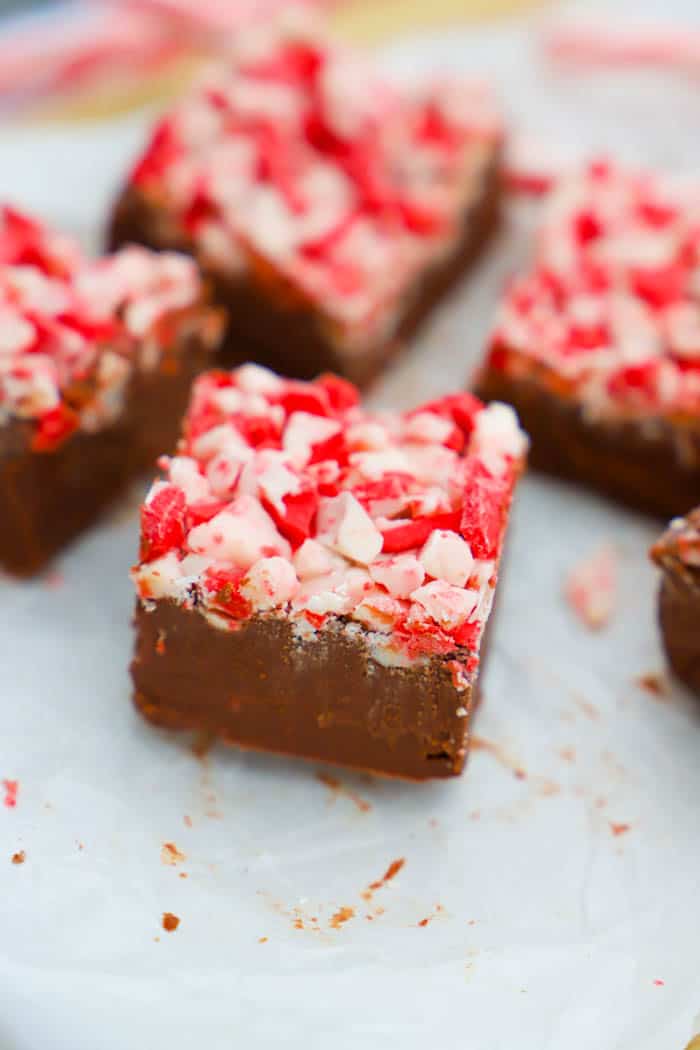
(80, 80)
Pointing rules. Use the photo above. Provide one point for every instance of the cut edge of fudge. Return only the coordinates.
(314, 578)
(331, 267)
(597, 345)
(97, 362)
(677, 553)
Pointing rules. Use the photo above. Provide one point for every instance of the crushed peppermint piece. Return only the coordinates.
(609, 313)
(591, 587)
(680, 543)
(310, 530)
(299, 155)
(72, 331)
(11, 788)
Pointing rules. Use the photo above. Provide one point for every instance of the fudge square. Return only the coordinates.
(677, 553)
(315, 579)
(330, 207)
(598, 346)
(96, 359)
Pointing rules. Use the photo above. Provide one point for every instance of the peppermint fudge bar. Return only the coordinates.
(330, 207)
(678, 555)
(598, 346)
(96, 360)
(315, 579)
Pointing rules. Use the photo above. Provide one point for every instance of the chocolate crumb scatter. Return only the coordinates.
(170, 854)
(390, 873)
(342, 916)
(170, 921)
(424, 922)
(19, 857)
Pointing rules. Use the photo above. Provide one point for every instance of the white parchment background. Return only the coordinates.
(551, 931)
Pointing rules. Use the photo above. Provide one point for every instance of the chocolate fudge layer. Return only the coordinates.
(330, 208)
(598, 347)
(96, 365)
(316, 580)
(678, 555)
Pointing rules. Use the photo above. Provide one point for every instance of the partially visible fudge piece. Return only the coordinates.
(678, 555)
(315, 579)
(598, 346)
(96, 361)
(330, 207)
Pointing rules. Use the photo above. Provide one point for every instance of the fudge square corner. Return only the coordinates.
(315, 579)
(330, 205)
(597, 344)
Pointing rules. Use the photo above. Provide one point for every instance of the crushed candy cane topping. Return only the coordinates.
(680, 543)
(72, 330)
(610, 312)
(299, 162)
(289, 496)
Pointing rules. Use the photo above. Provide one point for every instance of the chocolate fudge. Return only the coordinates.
(598, 345)
(96, 361)
(315, 579)
(678, 555)
(330, 207)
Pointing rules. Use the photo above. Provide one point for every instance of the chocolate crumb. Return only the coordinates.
(341, 916)
(170, 921)
(653, 683)
(170, 854)
(619, 829)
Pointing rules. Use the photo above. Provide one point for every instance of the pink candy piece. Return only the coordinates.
(591, 587)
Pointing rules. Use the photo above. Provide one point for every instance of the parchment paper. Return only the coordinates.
(548, 927)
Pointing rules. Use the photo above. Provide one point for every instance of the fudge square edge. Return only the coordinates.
(330, 206)
(597, 345)
(677, 553)
(315, 579)
(96, 360)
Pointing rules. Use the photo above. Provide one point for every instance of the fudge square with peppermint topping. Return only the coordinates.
(598, 346)
(315, 579)
(330, 207)
(96, 360)
(677, 553)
